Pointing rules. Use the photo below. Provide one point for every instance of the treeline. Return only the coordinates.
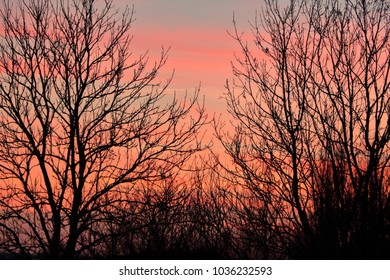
(94, 163)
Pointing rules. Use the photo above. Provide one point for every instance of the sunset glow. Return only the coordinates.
(197, 32)
(195, 129)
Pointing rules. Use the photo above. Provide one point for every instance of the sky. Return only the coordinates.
(196, 30)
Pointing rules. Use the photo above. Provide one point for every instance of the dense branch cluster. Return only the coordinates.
(313, 130)
(97, 161)
(81, 121)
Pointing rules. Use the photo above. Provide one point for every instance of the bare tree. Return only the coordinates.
(312, 130)
(183, 217)
(82, 121)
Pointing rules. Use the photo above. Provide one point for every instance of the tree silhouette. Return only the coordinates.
(82, 121)
(311, 106)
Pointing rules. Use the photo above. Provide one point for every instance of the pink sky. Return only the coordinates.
(196, 31)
